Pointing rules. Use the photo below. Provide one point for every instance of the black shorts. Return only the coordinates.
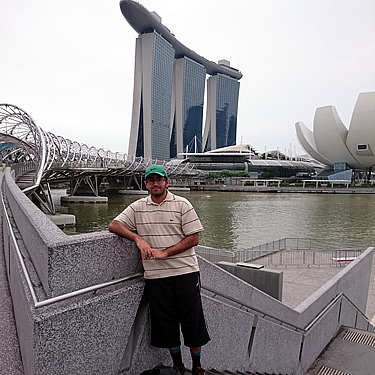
(176, 301)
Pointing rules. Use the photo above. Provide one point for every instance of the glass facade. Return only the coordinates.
(339, 167)
(193, 98)
(162, 78)
(189, 88)
(140, 150)
(226, 110)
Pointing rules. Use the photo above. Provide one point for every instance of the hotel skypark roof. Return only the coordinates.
(143, 21)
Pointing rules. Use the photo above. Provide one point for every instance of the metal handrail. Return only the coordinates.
(281, 253)
(18, 252)
(88, 289)
(62, 297)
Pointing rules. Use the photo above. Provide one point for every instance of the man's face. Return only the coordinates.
(156, 184)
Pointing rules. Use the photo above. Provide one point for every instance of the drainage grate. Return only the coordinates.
(330, 371)
(359, 337)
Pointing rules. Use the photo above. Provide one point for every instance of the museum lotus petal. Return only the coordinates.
(332, 144)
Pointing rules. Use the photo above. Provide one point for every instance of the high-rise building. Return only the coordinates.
(221, 120)
(187, 106)
(152, 94)
(168, 96)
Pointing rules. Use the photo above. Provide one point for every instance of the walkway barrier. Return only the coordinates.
(300, 252)
(325, 183)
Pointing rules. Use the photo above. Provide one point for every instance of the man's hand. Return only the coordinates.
(144, 247)
(178, 248)
(146, 251)
(119, 228)
(159, 254)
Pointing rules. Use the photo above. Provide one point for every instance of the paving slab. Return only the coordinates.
(300, 282)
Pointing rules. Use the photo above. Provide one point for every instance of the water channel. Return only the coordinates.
(241, 220)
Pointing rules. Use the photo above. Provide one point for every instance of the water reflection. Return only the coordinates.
(349, 217)
(241, 220)
(218, 216)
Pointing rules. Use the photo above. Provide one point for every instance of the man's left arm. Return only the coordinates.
(185, 244)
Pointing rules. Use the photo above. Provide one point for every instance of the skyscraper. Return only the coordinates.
(187, 106)
(168, 96)
(152, 94)
(221, 121)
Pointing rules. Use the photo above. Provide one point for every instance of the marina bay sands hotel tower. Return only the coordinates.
(169, 91)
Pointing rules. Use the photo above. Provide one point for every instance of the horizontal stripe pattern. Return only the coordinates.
(161, 226)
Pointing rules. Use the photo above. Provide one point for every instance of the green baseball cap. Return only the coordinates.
(157, 169)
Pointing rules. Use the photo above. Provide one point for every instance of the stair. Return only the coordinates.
(351, 352)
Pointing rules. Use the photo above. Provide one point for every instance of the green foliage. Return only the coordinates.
(364, 186)
(212, 175)
(225, 173)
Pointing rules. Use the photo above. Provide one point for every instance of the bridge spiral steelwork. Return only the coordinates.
(40, 158)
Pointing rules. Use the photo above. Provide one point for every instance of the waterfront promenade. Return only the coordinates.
(285, 189)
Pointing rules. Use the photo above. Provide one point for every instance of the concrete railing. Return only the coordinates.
(257, 327)
(106, 330)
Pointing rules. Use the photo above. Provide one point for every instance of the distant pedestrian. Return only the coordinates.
(3, 165)
(165, 228)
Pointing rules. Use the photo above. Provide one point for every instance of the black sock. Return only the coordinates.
(177, 358)
(196, 357)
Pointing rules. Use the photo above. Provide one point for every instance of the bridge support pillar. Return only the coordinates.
(88, 185)
(120, 183)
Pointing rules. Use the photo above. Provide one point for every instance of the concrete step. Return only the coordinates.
(351, 352)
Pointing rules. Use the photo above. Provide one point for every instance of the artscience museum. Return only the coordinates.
(344, 151)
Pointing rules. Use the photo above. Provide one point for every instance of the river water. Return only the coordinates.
(238, 220)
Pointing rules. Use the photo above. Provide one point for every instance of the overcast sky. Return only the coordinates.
(69, 64)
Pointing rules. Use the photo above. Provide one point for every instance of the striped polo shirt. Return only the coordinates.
(161, 226)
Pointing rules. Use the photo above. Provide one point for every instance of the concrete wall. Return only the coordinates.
(267, 280)
(107, 331)
(67, 263)
(282, 340)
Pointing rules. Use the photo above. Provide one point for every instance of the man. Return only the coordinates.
(165, 228)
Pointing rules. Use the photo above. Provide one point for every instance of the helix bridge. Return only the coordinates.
(39, 159)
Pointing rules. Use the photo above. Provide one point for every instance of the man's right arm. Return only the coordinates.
(119, 228)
